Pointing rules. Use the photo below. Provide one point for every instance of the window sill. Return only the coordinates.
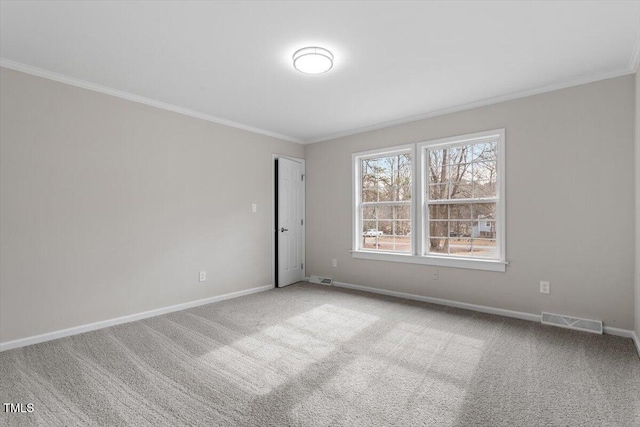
(472, 264)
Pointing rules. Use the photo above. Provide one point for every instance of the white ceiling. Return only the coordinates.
(230, 62)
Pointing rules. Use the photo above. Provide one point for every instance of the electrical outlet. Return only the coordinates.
(334, 263)
(203, 276)
(545, 287)
(254, 207)
(435, 275)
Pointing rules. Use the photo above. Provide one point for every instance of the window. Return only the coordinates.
(384, 209)
(461, 197)
(457, 209)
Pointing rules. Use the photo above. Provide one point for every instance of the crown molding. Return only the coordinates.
(39, 72)
(482, 103)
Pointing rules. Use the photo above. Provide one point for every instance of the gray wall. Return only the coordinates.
(110, 207)
(570, 205)
(637, 168)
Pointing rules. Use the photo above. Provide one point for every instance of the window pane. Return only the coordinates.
(392, 244)
(460, 172)
(403, 212)
(369, 180)
(459, 155)
(460, 246)
(402, 244)
(436, 170)
(460, 211)
(387, 178)
(369, 167)
(386, 191)
(484, 229)
(369, 194)
(438, 228)
(439, 191)
(388, 236)
(463, 229)
(370, 242)
(461, 187)
(439, 246)
(368, 225)
(386, 227)
(460, 229)
(403, 193)
(403, 176)
(485, 248)
(369, 212)
(484, 151)
(385, 212)
(484, 224)
(438, 212)
(485, 170)
(484, 189)
(484, 210)
(403, 228)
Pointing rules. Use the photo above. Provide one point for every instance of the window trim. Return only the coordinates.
(419, 211)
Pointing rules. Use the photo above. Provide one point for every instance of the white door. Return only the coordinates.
(290, 221)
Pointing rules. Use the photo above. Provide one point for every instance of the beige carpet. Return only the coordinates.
(313, 355)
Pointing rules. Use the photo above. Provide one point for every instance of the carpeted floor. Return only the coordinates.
(313, 355)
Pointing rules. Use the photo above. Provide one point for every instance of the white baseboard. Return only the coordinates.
(481, 308)
(449, 303)
(22, 342)
(610, 330)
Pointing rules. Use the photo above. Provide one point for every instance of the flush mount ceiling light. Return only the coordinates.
(312, 60)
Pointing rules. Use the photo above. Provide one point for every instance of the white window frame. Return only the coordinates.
(419, 207)
(356, 161)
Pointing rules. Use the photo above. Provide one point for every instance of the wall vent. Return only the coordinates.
(321, 280)
(587, 325)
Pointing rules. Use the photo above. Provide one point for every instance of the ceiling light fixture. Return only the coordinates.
(313, 60)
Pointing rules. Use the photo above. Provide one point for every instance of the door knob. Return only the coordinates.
(284, 229)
